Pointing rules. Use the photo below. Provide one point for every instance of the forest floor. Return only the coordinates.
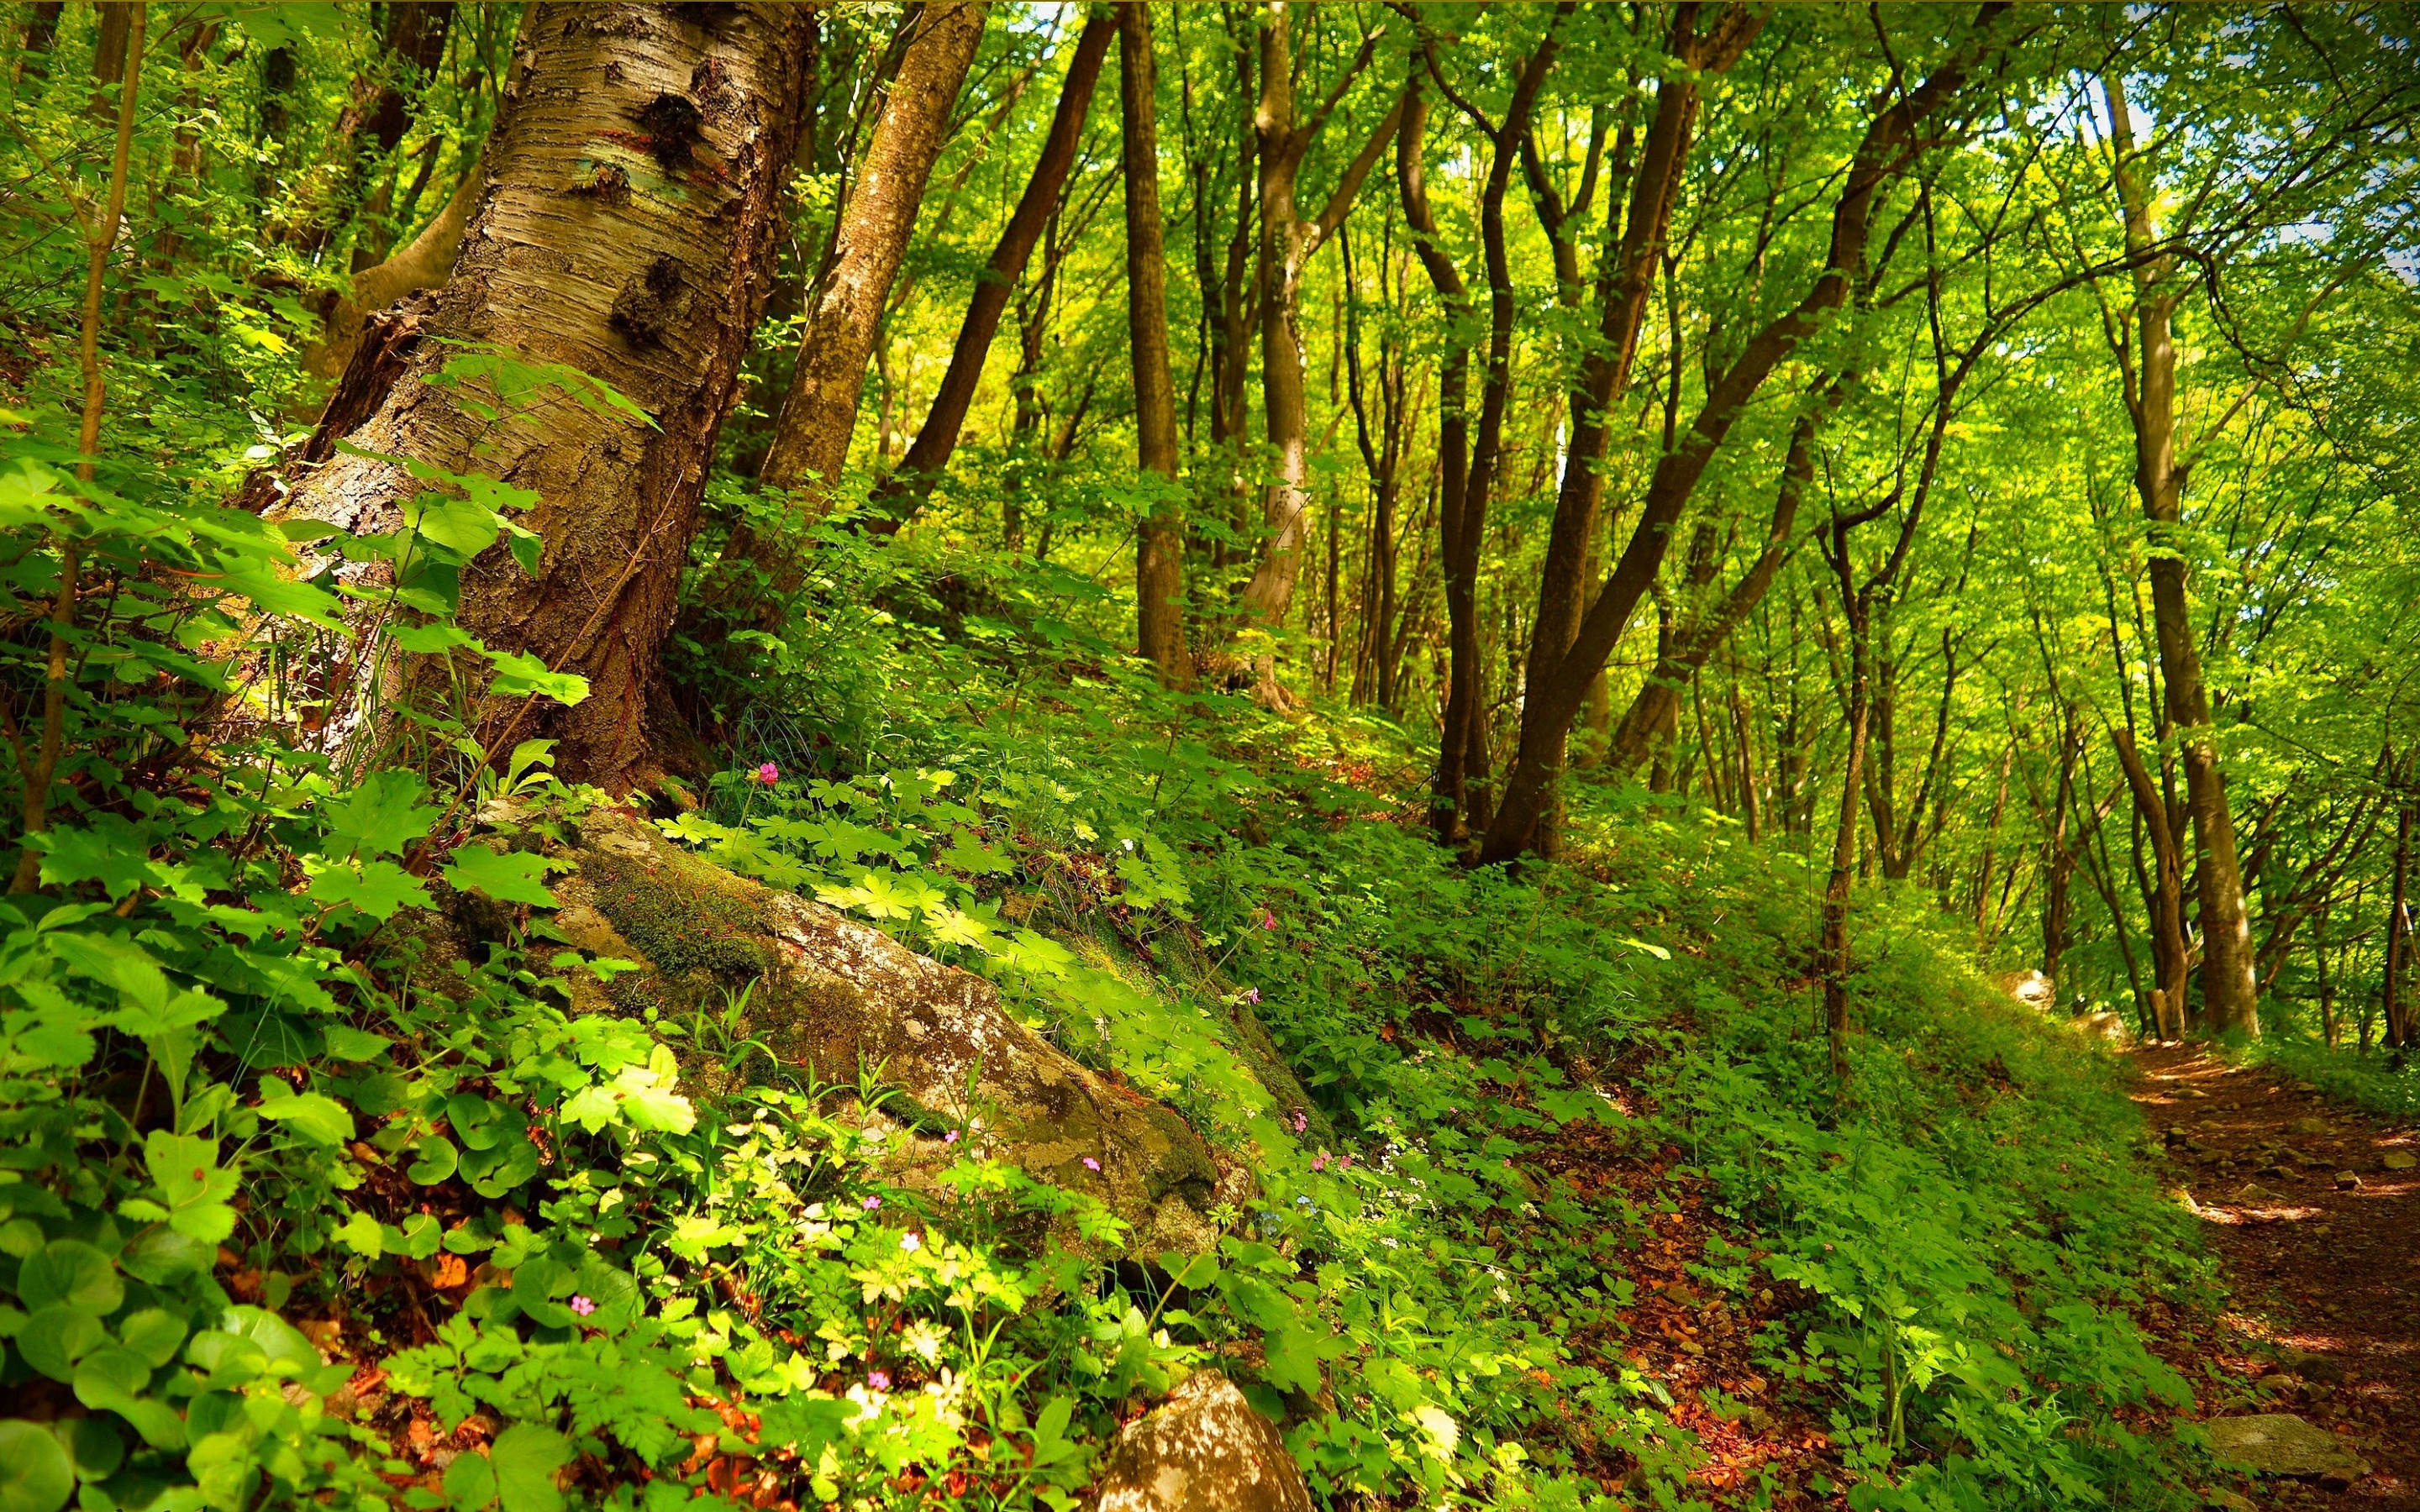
(2325, 1274)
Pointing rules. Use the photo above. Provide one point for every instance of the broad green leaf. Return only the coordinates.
(517, 877)
(360, 1234)
(316, 1117)
(384, 815)
(526, 1460)
(380, 889)
(437, 1159)
(69, 1272)
(36, 1474)
(346, 1042)
(520, 674)
(186, 1167)
(54, 1338)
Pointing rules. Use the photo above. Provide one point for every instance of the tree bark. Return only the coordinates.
(1287, 243)
(906, 486)
(1159, 548)
(1555, 688)
(2231, 993)
(1625, 278)
(811, 439)
(2167, 886)
(633, 193)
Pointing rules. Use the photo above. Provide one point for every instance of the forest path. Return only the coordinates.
(2332, 1274)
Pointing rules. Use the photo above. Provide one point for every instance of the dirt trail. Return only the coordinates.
(2329, 1272)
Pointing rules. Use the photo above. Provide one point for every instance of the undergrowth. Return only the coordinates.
(300, 1210)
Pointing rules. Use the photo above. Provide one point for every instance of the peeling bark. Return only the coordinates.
(625, 229)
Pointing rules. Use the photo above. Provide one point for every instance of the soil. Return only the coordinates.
(2325, 1320)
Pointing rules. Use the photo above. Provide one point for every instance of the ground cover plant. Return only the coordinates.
(603, 916)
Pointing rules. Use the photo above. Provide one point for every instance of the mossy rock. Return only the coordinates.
(831, 995)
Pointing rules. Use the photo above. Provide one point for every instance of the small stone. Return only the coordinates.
(2280, 1444)
(2251, 1195)
(2399, 1160)
(1203, 1450)
(2228, 1501)
(2308, 1127)
(2348, 1181)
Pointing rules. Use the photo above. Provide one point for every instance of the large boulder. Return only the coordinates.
(1203, 1450)
(833, 996)
(2280, 1444)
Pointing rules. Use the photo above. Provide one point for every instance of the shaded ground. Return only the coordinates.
(2326, 1277)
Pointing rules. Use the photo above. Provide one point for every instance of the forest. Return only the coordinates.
(1163, 756)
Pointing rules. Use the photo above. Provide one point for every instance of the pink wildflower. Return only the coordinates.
(768, 774)
(1301, 1121)
(879, 1379)
(1319, 1162)
(950, 1138)
(872, 1203)
(1092, 1165)
(582, 1306)
(1251, 995)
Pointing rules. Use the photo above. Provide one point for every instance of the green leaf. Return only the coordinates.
(186, 1167)
(346, 1042)
(93, 1444)
(437, 1159)
(516, 878)
(519, 673)
(470, 1483)
(525, 1457)
(108, 1376)
(381, 889)
(383, 814)
(318, 1119)
(108, 851)
(154, 1334)
(360, 1234)
(54, 1338)
(67, 1273)
(462, 526)
(36, 1474)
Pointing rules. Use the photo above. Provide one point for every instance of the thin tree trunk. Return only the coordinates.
(1159, 549)
(2230, 994)
(2167, 888)
(1626, 279)
(908, 484)
(2398, 932)
(1556, 685)
(675, 241)
(810, 437)
(1286, 245)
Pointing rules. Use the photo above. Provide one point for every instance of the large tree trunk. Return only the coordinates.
(907, 486)
(810, 439)
(1555, 688)
(2230, 992)
(633, 192)
(1159, 548)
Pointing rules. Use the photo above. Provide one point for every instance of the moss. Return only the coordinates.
(683, 914)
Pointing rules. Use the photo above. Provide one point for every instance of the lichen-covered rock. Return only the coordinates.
(832, 995)
(1203, 1450)
(2280, 1444)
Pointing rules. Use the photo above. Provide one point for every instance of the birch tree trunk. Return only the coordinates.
(632, 192)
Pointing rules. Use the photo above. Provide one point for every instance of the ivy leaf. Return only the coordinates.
(383, 814)
(519, 877)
